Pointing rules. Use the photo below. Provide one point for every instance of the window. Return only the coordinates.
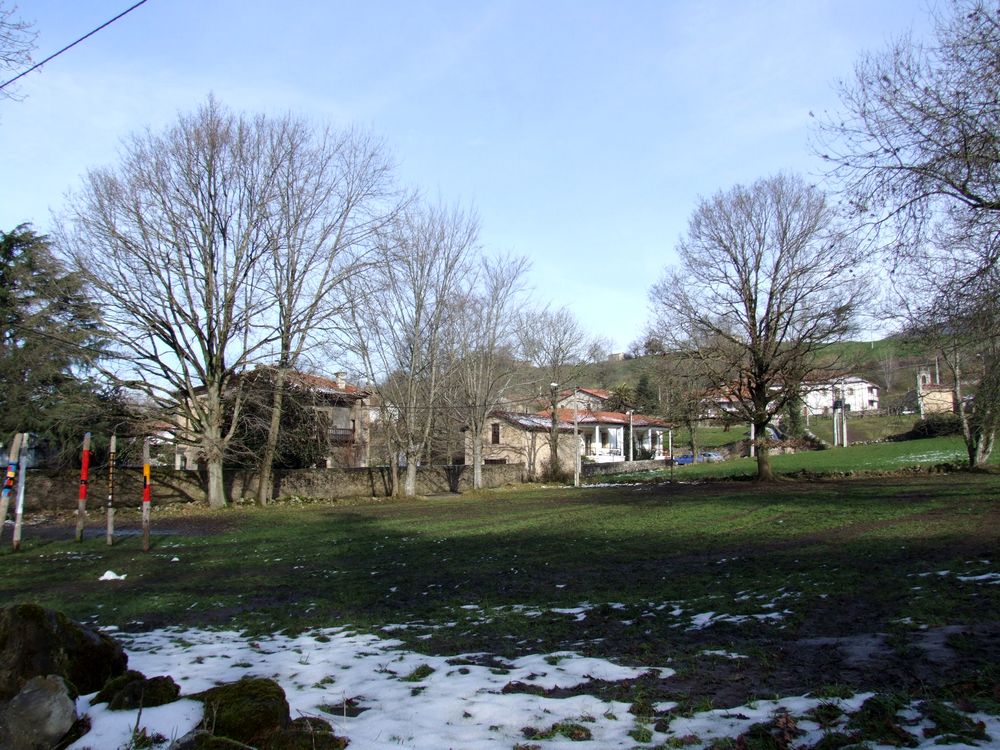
(495, 436)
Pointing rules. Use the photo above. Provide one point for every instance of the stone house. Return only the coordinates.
(341, 409)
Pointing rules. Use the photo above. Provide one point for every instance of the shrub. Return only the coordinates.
(936, 425)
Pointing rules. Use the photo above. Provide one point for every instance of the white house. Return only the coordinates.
(857, 395)
(511, 437)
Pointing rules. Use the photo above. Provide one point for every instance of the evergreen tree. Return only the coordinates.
(647, 400)
(49, 338)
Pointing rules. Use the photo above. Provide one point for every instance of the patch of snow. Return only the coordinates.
(985, 577)
(457, 707)
(110, 575)
(454, 706)
(724, 654)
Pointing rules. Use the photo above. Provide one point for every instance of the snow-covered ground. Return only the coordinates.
(457, 705)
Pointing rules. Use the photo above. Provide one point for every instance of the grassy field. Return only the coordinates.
(854, 459)
(861, 429)
(656, 574)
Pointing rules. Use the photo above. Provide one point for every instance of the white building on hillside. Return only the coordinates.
(857, 394)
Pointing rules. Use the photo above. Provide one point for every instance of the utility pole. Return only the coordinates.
(554, 444)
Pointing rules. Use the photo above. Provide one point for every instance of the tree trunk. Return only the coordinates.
(764, 471)
(393, 478)
(555, 470)
(213, 447)
(216, 484)
(984, 449)
(265, 485)
(477, 460)
(410, 478)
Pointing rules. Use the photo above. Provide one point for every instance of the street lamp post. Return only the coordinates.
(576, 439)
(631, 435)
(554, 443)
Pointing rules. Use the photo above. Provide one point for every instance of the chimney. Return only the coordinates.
(339, 379)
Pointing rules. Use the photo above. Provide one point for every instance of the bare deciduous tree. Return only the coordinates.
(172, 241)
(398, 322)
(916, 148)
(953, 304)
(486, 339)
(555, 344)
(334, 193)
(919, 128)
(17, 41)
(765, 283)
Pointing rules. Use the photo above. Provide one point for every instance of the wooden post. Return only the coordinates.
(9, 479)
(81, 503)
(19, 511)
(111, 489)
(147, 495)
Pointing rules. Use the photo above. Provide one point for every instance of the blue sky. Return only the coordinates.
(583, 133)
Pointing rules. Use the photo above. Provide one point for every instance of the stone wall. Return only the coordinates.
(620, 467)
(46, 490)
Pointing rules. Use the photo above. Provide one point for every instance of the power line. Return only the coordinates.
(53, 56)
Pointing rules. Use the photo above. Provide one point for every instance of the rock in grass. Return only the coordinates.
(35, 641)
(38, 716)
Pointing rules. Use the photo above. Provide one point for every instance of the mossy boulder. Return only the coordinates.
(307, 733)
(134, 690)
(250, 710)
(113, 686)
(35, 641)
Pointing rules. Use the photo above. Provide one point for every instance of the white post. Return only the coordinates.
(753, 440)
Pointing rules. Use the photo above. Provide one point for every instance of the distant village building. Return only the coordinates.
(855, 393)
(935, 399)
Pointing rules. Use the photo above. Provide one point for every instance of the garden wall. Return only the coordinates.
(45, 490)
(623, 467)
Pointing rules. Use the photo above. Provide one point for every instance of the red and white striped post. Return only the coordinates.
(147, 495)
(81, 503)
(9, 479)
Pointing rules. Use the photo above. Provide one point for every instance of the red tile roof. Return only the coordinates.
(588, 417)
